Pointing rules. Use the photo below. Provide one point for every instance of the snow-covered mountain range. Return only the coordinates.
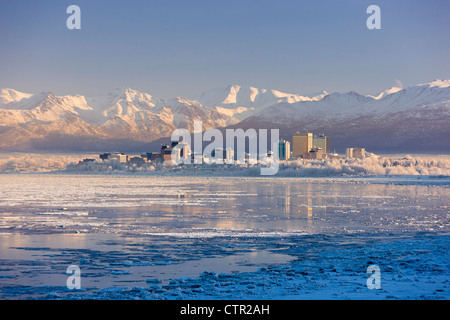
(414, 119)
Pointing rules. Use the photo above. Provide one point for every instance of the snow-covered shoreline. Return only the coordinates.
(368, 166)
(372, 165)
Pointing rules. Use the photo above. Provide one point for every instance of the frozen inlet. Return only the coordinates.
(249, 234)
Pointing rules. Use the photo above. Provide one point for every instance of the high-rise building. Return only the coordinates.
(284, 150)
(302, 144)
(322, 141)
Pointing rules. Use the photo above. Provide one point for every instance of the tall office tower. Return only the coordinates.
(302, 144)
(322, 141)
(284, 150)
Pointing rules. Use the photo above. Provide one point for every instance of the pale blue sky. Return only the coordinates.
(170, 48)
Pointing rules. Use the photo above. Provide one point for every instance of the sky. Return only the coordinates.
(184, 47)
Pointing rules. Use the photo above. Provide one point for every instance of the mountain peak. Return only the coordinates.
(346, 95)
(8, 95)
(437, 83)
(131, 95)
(5, 91)
(48, 94)
(233, 87)
(232, 91)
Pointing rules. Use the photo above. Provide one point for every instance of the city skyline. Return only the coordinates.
(178, 48)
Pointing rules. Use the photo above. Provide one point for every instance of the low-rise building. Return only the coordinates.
(84, 162)
(120, 157)
(355, 152)
(104, 156)
(137, 161)
(314, 153)
(166, 154)
(153, 156)
(331, 156)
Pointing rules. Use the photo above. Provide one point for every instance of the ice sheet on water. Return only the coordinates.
(218, 233)
(326, 268)
(62, 213)
(241, 215)
(216, 206)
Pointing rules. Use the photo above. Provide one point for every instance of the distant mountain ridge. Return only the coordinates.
(414, 119)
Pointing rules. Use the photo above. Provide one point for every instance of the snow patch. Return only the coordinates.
(438, 83)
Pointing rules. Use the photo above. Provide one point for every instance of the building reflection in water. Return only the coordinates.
(301, 201)
(286, 206)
